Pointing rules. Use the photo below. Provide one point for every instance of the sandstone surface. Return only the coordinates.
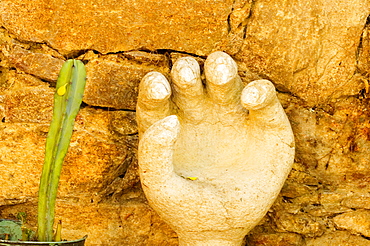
(112, 81)
(111, 26)
(317, 53)
(307, 48)
(355, 221)
(342, 238)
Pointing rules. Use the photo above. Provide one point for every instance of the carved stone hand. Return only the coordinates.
(214, 156)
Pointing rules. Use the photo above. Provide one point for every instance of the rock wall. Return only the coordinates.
(317, 53)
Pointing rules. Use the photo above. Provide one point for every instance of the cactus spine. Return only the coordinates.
(67, 101)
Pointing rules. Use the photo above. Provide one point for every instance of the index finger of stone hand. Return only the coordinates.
(153, 100)
(223, 82)
(188, 87)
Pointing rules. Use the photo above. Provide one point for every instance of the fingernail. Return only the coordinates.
(159, 90)
(251, 96)
(220, 68)
(186, 70)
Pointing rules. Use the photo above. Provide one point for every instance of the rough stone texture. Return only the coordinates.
(341, 238)
(30, 100)
(91, 145)
(357, 201)
(43, 66)
(308, 48)
(355, 221)
(113, 80)
(112, 26)
(276, 239)
(316, 52)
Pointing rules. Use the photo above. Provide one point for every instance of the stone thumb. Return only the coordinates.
(156, 150)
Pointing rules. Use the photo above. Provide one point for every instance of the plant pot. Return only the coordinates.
(79, 242)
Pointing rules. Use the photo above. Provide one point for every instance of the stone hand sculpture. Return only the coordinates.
(212, 157)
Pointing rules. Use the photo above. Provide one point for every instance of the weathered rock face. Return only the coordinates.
(308, 48)
(112, 26)
(106, 76)
(317, 53)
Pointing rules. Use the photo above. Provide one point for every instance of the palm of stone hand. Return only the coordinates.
(236, 143)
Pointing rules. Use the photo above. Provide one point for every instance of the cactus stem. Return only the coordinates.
(67, 100)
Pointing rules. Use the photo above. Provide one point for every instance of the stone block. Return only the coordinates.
(22, 150)
(110, 26)
(89, 166)
(342, 238)
(43, 66)
(357, 201)
(275, 239)
(306, 48)
(301, 223)
(355, 221)
(112, 81)
(29, 104)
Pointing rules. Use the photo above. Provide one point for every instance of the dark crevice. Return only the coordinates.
(35, 46)
(229, 18)
(169, 51)
(52, 84)
(249, 16)
(367, 238)
(360, 44)
(70, 55)
(164, 52)
(117, 53)
(244, 23)
(287, 199)
(84, 105)
(284, 91)
(245, 32)
(157, 51)
(78, 53)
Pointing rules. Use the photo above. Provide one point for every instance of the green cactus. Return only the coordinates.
(67, 101)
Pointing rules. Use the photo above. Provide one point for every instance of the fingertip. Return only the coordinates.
(171, 122)
(258, 94)
(153, 102)
(220, 68)
(188, 91)
(170, 126)
(223, 82)
(154, 87)
(186, 72)
(163, 132)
